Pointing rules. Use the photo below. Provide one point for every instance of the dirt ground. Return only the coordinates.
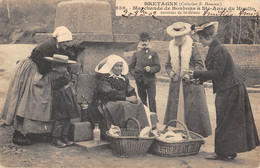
(43, 154)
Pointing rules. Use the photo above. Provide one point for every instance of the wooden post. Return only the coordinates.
(231, 30)
(240, 29)
(255, 32)
(8, 9)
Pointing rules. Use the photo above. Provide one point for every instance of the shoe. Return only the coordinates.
(212, 157)
(221, 157)
(67, 141)
(58, 143)
(233, 156)
(20, 139)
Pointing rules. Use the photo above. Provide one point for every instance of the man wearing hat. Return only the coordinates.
(186, 100)
(145, 63)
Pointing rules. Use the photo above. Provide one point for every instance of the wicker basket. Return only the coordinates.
(190, 146)
(129, 144)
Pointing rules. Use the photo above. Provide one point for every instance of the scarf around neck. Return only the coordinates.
(111, 74)
(186, 51)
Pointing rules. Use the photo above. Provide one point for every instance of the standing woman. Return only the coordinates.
(236, 130)
(28, 102)
(184, 54)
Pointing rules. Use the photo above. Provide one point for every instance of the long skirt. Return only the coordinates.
(117, 113)
(29, 98)
(196, 114)
(236, 130)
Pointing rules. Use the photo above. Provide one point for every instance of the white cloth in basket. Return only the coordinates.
(114, 131)
(171, 137)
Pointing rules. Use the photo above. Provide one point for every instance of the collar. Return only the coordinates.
(146, 50)
(111, 74)
(186, 52)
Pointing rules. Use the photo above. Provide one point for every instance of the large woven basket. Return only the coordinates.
(190, 146)
(130, 144)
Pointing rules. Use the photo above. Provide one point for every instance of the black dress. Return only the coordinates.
(112, 92)
(236, 131)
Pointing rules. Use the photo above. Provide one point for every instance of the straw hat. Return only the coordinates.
(60, 59)
(178, 29)
(203, 26)
(106, 65)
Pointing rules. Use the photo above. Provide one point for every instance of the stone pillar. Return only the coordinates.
(84, 16)
(90, 22)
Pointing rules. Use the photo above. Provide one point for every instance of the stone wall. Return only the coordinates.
(246, 57)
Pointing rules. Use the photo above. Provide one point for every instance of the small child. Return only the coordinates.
(64, 102)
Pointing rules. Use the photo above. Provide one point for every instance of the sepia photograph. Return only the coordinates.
(130, 83)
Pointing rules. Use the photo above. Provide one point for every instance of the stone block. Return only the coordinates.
(92, 37)
(126, 38)
(81, 131)
(84, 16)
(75, 120)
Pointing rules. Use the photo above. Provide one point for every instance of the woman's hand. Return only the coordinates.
(189, 72)
(186, 78)
(175, 78)
(172, 74)
(132, 99)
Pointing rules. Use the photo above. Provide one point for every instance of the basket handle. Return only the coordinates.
(136, 121)
(183, 125)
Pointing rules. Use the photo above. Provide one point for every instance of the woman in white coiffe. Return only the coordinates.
(186, 100)
(118, 97)
(28, 103)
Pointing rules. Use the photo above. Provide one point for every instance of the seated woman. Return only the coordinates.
(116, 94)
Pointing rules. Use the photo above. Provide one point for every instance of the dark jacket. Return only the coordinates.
(221, 68)
(140, 60)
(47, 49)
(112, 89)
(64, 101)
